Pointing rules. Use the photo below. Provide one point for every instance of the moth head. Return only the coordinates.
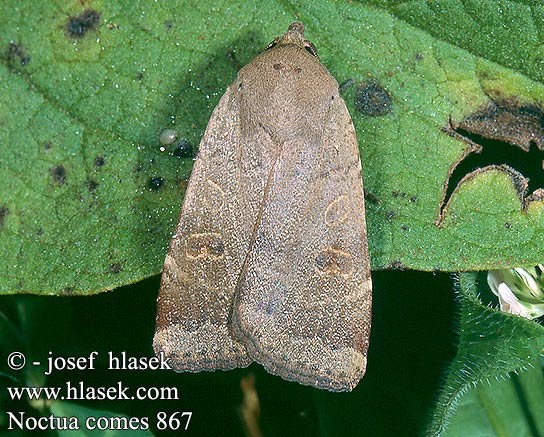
(294, 36)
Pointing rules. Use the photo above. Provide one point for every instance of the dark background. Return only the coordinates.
(411, 343)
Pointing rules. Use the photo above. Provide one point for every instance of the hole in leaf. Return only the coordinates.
(503, 134)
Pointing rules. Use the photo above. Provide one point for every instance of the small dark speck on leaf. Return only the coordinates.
(413, 199)
(59, 174)
(371, 197)
(418, 56)
(15, 54)
(116, 267)
(79, 25)
(396, 265)
(390, 215)
(39, 232)
(4, 211)
(372, 99)
(184, 149)
(92, 185)
(155, 183)
(99, 161)
(168, 24)
(68, 290)
(508, 225)
(47, 146)
(404, 227)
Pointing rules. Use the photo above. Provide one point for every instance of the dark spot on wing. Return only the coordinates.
(334, 261)
(205, 245)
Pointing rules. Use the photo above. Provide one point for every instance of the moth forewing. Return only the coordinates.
(303, 303)
(206, 255)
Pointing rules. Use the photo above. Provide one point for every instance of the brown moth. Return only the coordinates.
(269, 261)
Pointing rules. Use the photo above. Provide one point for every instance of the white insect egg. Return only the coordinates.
(168, 136)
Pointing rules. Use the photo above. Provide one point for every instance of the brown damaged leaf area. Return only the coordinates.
(519, 125)
(490, 131)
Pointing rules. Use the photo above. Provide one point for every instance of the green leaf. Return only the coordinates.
(90, 421)
(486, 28)
(89, 202)
(511, 407)
(492, 344)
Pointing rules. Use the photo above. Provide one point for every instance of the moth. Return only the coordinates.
(269, 260)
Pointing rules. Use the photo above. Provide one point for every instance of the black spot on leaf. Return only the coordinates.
(79, 25)
(59, 174)
(68, 290)
(396, 265)
(371, 198)
(4, 211)
(184, 149)
(15, 55)
(99, 161)
(155, 183)
(116, 267)
(372, 99)
(92, 185)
